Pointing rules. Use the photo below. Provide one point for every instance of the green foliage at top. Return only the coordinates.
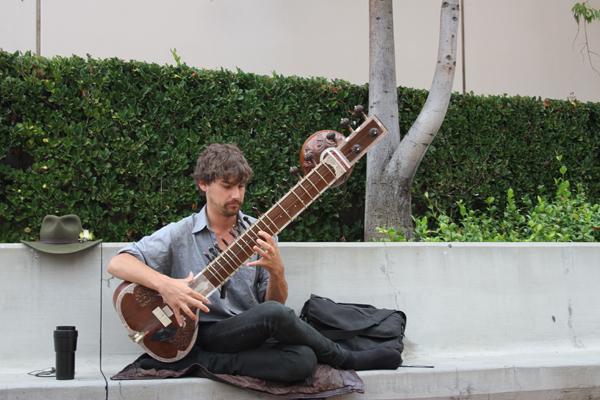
(582, 11)
(116, 143)
(567, 217)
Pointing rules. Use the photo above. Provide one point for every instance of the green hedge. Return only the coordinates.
(116, 142)
(489, 143)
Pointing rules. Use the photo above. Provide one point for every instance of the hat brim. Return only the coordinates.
(67, 248)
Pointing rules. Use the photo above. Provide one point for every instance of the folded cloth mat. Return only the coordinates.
(325, 382)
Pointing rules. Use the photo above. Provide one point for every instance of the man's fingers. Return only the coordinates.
(189, 312)
(265, 246)
(178, 316)
(265, 236)
(260, 250)
(199, 304)
(199, 296)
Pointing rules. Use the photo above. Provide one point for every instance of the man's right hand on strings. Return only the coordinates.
(178, 294)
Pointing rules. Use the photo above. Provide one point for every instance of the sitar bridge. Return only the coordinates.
(163, 315)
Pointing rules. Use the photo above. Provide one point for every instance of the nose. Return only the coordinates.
(235, 193)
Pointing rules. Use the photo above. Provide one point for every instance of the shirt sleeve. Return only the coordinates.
(154, 250)
(262, 282)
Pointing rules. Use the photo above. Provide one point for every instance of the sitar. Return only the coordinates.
(151, 323)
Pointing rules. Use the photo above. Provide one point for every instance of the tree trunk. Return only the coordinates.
(392, 164)
(383, 102)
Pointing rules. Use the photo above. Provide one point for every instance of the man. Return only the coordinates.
(245, 330)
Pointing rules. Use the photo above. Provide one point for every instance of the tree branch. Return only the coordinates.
(412, 148)
(585, 15)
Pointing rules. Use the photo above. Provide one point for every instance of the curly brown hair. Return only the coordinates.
(222, 161)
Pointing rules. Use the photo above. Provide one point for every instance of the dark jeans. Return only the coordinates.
(268, 341)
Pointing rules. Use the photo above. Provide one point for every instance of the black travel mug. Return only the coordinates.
(65, 344)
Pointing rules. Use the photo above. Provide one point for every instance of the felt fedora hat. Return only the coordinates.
(61, 235)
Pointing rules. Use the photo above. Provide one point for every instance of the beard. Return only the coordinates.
(231, 209)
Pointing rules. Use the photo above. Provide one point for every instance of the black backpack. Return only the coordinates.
(355, 326)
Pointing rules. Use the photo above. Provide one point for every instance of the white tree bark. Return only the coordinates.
(392, 165)
(383, 102)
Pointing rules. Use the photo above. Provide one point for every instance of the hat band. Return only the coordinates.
(54, 241)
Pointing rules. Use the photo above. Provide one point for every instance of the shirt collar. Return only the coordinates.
(201, 220)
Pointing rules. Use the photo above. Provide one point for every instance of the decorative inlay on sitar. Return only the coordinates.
(149, 320)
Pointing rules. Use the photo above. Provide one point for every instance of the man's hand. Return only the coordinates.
(270, 258)
(178, 294)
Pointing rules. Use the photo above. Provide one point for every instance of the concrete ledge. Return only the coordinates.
(568, 375)
(509, 376)
(502, 321)
(184, 388)
(88, 384)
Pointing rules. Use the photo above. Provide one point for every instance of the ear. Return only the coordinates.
(202, 186)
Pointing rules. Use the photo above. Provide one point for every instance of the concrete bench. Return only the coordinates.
(502, 321)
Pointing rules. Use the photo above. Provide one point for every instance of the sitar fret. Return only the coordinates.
(266, 216)
(237, 260)
(241, 238)
(230, 258)
(305, 204)
(284, 210)
(209, 270)
(321, 176)
(298, 197)
(214, 270)
(316, 188)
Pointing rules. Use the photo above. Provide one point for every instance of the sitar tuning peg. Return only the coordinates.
(246, 221)
(345, 123)
(241, 227)
(208, 256)
(214, 250)
(295, 171)
(359, 111)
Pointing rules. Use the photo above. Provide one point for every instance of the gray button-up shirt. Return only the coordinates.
(177, 248)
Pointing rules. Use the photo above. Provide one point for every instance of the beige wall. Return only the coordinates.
(522, 47)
